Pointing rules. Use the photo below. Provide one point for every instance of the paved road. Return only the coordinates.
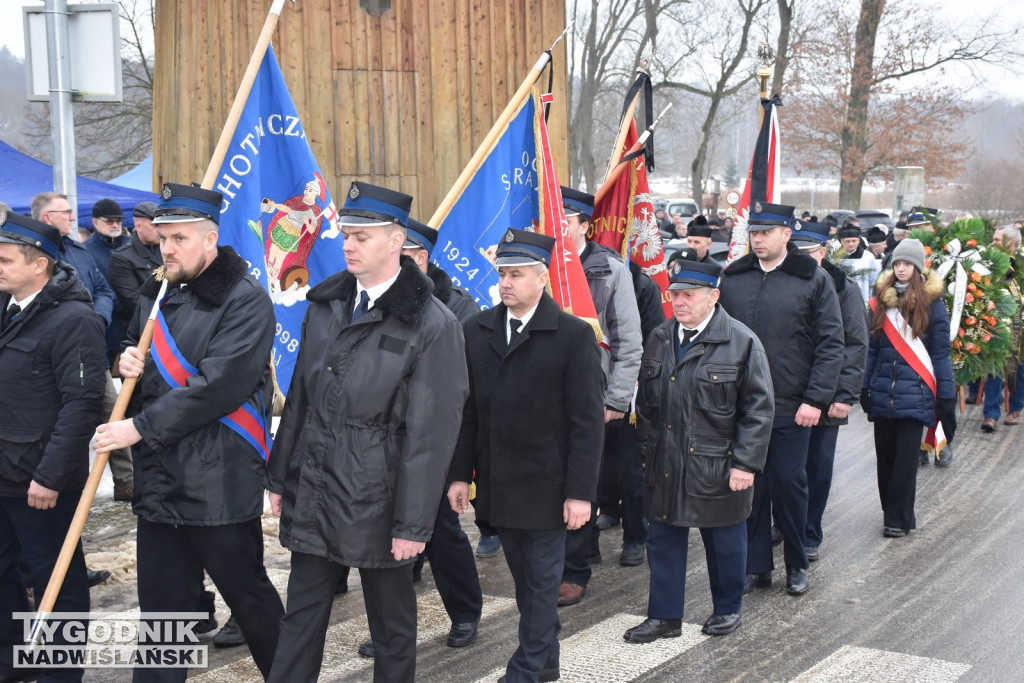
(944, 604)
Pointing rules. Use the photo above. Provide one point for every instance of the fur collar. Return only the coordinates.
(406, 299)
(796, 263)
(442, 283)
(934, 288)
(838, 275)
(213, 285)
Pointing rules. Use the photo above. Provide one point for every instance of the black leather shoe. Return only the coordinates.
(462, 635)
(230, 635)
(924, 458)
(753, 581)
(98, 576)
(367, 649)
(812, 553)
(945, 457)
(722, 624)
(796, 581)
(652, 629)
(632, 555)
(893, 532)
(545, 676)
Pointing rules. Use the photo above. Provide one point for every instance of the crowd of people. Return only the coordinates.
(409, 406)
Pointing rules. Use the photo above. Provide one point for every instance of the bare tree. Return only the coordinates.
(111, 137)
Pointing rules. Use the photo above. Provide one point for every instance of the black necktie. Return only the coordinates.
(9, 313)
(362, 307)
(687, 336)
(514, 324)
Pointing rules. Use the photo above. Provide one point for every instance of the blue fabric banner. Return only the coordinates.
(278, 213)
(502, 194)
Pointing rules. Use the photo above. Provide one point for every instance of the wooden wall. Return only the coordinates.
(402, 99)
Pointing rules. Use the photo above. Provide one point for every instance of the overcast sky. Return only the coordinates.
(997, 81)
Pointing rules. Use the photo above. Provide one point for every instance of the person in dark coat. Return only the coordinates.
(108, 234)
(791, 305)
(908, 380)
(704, 409)
(202, 427)
(49, 407)
(449, 550)
(532, 431)
(54, 209)
(366, 439)
(131, 264)
(821, 452)
(698, 237)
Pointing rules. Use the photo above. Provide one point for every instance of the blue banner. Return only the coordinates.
(278, 213)
(502, 194)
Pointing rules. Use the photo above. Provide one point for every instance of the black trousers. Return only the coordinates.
(171, 560)
(821, 457)
(898, 452)
(36, 536)
(622, 479)
(454, 567)
(780, 490)
(390, 609)
(579, 545)
(534, 557)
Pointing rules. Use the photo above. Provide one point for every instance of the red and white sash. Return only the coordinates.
(912, 350)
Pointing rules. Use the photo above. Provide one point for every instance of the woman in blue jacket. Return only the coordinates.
(908, 382)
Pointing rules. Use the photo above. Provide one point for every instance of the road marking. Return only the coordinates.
(600, 655)
(851, 664)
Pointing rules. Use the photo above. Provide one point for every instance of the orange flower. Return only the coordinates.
(970, 321)
(927, 250)
(962, 332)
(976, 277)
(986, 337)
(972, 243)
(976, 350)
(972, 287)
(969, 298)
(969, 347)
(957, 344)
(988, 281)
(927, 264)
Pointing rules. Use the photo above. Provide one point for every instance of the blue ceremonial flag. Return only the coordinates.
(278, 213)
(502, 194)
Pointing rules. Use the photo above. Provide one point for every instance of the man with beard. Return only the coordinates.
(202, 428)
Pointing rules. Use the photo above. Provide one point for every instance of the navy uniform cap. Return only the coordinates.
(368, 205)
(577, 203)
(107, 208)
(808, 234)
(918, 218)
(765, 216)
(420, 236)
(524, 248)
(187, 204)
(699, 227)
(687, 274)
(18, 229)
(848, 231)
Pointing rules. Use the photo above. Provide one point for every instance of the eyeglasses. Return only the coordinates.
(67, 211)
(111, 221)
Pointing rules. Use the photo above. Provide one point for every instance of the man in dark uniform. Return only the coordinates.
(532, 432)
(449, 551)
(50, 404)
(705, 411)
(787, 300)
(698, 237)
(367, 436)
(812, 238)
(108, 234)
(202, 428)
(133, 263)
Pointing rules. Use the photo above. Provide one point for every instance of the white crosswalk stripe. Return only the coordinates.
(851, 664)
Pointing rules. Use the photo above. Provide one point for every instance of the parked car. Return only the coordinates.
(869, 218)
(687, 208)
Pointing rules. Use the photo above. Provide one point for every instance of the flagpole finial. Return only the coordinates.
(645, 64)
(568, 27)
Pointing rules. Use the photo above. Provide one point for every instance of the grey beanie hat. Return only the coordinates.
(911, 251)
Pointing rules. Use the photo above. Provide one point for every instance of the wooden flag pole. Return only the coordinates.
(45, 606)
(244, 88)
(477, 160)
(620, 167)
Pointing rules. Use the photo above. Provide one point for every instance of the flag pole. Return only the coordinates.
(493, 135)
(235, 113)
(45, 606)
(620, 167)
(620, 139)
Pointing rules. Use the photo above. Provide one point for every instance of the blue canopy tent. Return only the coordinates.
(138, 178)
(22, 177)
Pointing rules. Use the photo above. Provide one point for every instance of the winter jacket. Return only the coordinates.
(131, 265)
(611, 287)
(371, 421)
(895, 390)
(101, 248)
(191, 468)
(700, 417)
(76, 256)
(855, 337)
(52, 360)
(794, 311)
(457, 299)
(534, 423)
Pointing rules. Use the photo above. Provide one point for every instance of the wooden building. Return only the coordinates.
(394, 92)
